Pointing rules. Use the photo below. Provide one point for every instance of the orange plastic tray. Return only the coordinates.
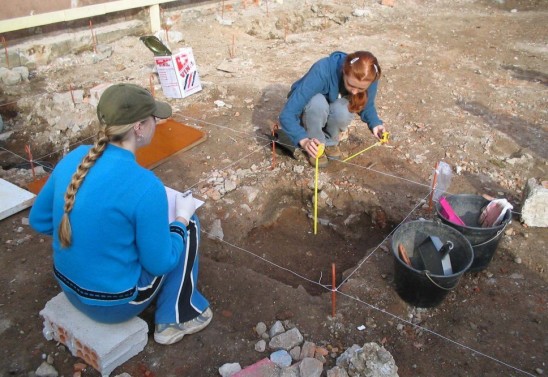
(170, 138)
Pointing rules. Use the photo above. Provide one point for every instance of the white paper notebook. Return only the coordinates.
(171, 194)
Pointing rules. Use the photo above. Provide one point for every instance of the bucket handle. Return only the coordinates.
(427, 273)
(494, 237)
(489, 240)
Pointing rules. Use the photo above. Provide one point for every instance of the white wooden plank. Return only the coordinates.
(74, 14)
(13, 199)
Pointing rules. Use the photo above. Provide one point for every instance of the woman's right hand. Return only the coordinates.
(310, 146)
(184, 206)
(378, 131)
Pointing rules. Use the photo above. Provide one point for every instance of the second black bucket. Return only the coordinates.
(418, 287)
(484, 240)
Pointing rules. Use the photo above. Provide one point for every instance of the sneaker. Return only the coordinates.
(333, 152)
(322, 161)
(169, 333)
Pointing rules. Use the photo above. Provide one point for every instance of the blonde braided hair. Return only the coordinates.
(105, 135)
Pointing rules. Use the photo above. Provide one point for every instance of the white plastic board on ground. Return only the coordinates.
(13, 199)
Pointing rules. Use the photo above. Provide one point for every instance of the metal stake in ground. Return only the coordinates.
(333, 290)
(72, 94)
(273, 128)
(151, 83)
(29, 153)
(273, 151)
(434, 184)
(93, 37)
(5, 44)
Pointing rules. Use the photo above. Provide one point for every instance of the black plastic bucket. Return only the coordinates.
(484, 241)
(422, 288)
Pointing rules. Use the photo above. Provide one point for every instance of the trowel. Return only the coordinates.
(155, 45)
(435, 256)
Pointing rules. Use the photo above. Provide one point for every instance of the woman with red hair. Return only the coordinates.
(323, 102)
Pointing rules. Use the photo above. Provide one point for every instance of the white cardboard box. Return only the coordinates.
(178, 74)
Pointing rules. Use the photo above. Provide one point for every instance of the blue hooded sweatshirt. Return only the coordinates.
(325, 77)
(119, 226)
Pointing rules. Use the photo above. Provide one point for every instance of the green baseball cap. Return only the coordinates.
(122, 104)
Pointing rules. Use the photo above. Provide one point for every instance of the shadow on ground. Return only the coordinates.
(525, 134)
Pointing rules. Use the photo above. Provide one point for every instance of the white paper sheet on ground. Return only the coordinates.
(13, 199)
(171, 193)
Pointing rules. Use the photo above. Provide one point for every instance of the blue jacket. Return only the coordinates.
(119, 226)
(325, 77)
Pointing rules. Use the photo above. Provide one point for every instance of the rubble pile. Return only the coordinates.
(292, 356)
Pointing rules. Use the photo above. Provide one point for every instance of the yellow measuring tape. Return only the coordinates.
(384, 139)
(321, 149)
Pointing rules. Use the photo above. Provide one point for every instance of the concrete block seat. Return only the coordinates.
(102, 346)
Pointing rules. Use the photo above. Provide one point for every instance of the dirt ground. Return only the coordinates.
(464, 82)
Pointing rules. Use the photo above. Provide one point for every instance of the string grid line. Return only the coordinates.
(327, 287)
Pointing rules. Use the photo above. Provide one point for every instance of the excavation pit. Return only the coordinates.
(287, 250)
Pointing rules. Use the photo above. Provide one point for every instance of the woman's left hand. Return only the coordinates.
(378, 131)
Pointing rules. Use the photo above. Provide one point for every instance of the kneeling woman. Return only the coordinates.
(322, 103)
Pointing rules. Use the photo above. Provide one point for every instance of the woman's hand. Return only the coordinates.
(184, 207)
(310, 146)
(378, 131)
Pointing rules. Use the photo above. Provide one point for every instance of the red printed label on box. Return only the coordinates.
(178, 74)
